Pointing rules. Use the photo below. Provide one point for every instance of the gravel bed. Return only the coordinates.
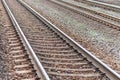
(4, 57)
(99, 39)
(4, 74)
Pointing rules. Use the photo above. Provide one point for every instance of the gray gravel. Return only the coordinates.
(3, 60)
(4, 66)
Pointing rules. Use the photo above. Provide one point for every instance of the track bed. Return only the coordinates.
(59, 58)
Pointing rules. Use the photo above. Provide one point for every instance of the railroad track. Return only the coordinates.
(22, 63)
(91, 10)
(95, 15)
(25, 62)
(101, 4)
(61, 56)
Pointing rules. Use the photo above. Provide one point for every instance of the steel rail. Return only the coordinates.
(88, 15)
(104, 5)
(37, 64)
(92, 11)
(97, 62)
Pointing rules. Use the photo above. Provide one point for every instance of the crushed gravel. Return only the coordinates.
(96, 37)
(4, 65)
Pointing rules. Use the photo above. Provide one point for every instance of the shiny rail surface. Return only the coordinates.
(101, 4)
(98, 63)
(103, 18)
(92, 11)
(34, 59)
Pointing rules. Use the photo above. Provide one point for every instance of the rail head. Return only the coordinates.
(111, 5)
(98, 63)
(105, 4)
(37, 64)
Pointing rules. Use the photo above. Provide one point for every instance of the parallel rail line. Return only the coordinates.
(101, 4)
(103, 18)
(92, 11)
(60, 55)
